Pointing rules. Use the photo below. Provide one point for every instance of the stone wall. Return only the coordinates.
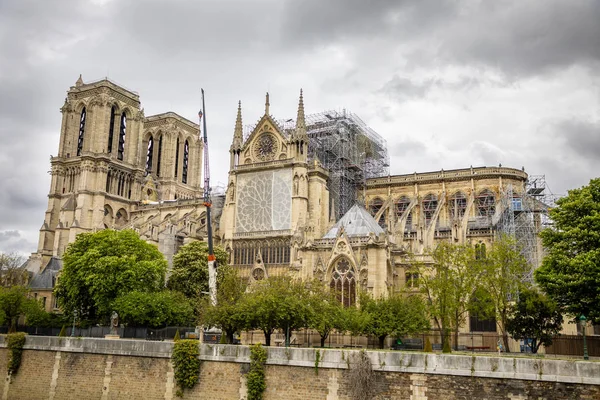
(63, 368)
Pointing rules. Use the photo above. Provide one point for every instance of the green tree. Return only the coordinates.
(534, 316)
(327, 311)
(229, 313)
(396, 314)
(100, 267)
(190, 269)
(505, 269)
(570, 271)
(277, 303)
(154, 309)
(14, 303)
(447, 284)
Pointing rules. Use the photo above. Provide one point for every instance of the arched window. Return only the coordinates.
(486, 203)
(480, 251)
(81, 132)
(159, 156)
(401, 206)
(177, 158)
(375, 205)
(122, 131)
(457, 205)
(186, 156)
(149, 155)
(479, 321)
(430, 204)
(343, 282)
(111, 128)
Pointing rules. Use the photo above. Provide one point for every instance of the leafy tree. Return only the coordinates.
(570, 271)
(190, 269)
(100, 267)
(534, 316)
(504, 271)
(277, 303)
(14, 303)
(228, 314)
(447, 284)
(327, 311)
(12, 271)
(396, 314)
(154, 309)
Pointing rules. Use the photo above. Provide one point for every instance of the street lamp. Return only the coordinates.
(583, 324)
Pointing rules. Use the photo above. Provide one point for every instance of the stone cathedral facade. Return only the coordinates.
(117, 168)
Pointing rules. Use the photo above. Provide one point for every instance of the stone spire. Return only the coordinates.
(238, 135)
(267, 105)
(79, 81)
(300, 121)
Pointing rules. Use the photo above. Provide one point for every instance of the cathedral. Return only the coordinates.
(310, 197)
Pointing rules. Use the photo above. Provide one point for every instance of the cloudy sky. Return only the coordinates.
(448, 84)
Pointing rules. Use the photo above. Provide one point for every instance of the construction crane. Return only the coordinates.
(212, 261)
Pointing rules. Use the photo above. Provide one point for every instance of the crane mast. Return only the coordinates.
(212, 261)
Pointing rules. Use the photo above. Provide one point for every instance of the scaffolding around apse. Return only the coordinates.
(523, 214)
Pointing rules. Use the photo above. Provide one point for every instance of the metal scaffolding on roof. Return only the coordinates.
(523, 214)
(350, 150)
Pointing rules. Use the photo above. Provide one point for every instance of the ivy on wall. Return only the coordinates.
(15, 343)
(255, 380)
(186, 364)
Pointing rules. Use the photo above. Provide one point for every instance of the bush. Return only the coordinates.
(255, 381)
(15, 343)
(186, 364)
(63, 331)
(177, 336)
(428, 347)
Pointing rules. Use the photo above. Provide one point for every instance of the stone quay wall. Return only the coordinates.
(85, 368)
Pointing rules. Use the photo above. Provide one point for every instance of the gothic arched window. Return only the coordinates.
(122, 131)
(177, 158)
(375, 206)
(457, 205)
(343, 282)
(81, 131)
(111, 128)
(158, 156)
(430, 203)
(186, 156)
(486, 203)
(149, 155)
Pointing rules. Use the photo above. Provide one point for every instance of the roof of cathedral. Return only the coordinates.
(46, 278)
(356, 222)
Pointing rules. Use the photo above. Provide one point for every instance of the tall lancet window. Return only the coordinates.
(111, 129)
(186, 156)
(343, 282)
(149, 155)
(81, 131)
(177, 158)
(122, 131)
(159, 156)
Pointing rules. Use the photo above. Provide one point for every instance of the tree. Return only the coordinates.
(190, 269)
(277, 303)
(570, 271)
(155, 309)
(327, 311)
(14, 303)
(504, 271)
(100, 267)
(12, 271)
(447, 284)
(228, 313)
(396, 314)
(534, 316)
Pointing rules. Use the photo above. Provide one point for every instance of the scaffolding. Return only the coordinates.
(523, 214)
(350, 150)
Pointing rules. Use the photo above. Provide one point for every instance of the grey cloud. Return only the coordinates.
(582, 137)
(408, 147)
(7, 235)
(404, 89)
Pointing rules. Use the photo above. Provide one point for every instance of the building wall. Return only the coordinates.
(58, 369)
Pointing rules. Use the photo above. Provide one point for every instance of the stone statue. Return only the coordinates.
(114, 323)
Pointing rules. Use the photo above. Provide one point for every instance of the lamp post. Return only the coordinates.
(583, 324)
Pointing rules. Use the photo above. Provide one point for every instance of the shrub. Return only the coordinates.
(428, 347)
(63, 331)
(177, 336)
